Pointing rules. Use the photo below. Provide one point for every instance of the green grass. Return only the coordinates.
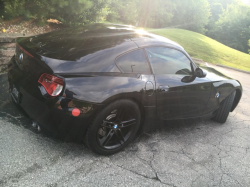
(207, 49)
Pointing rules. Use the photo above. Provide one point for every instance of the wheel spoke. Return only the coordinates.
(119, 130)
(107, 138)
(115, 129)
(127, 123)
(107, 123)
(119, 136)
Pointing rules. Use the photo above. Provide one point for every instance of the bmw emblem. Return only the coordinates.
(217, 95)
(21, 57)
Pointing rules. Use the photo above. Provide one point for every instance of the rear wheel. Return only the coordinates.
(114, 127)
(223, 112)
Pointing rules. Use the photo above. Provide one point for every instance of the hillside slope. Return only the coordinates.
(203, 47)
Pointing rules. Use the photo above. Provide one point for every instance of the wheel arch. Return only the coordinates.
(236, 99)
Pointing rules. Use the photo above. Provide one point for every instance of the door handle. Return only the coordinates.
(163, 88)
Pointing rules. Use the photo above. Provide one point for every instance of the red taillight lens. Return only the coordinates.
(52, 84)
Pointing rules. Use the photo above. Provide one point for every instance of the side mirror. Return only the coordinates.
(200, 73)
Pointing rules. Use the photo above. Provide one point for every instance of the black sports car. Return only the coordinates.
(105, 83)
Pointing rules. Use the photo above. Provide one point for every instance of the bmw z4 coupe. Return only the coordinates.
(105, 83)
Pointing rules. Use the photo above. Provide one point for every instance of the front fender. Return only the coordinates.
(225, 88)
(221, 90)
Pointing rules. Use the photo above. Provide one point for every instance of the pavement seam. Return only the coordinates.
(144, 176)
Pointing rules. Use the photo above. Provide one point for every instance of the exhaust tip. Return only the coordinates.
(36, 126)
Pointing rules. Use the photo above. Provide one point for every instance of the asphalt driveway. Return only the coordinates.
(182, 153)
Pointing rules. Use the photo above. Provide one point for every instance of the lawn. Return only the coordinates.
(207, 49)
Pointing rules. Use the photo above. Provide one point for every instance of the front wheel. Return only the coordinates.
(114, 127)
(223, 112)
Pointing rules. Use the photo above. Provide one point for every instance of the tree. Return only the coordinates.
(191, 14)
(123, 11)
(143, 13)
(2, 11)
(155, 14)
(216, 10)
(233, 27)
(224, 3)
(68, 12)
(249, 46)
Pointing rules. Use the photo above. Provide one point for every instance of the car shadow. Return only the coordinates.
(179, 128)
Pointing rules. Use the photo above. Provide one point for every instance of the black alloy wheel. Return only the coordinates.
(114, 128)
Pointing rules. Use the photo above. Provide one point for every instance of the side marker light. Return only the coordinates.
(76, 112)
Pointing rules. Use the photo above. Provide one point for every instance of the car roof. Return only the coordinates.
(141, 37)
(101, 34)
(94, 47)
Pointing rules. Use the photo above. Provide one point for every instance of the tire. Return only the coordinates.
(223, 112)
(114, 127)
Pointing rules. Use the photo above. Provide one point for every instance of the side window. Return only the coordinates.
(133, 62)
(168, 61)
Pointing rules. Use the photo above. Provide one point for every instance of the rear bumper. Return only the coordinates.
(52, 114)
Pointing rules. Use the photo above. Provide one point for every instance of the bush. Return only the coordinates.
(68, 12)
(249, 46)
(233, 27)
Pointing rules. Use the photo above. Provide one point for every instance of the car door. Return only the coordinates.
(141, 83)
(177, 97)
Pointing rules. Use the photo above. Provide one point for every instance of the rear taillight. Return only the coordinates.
(52, 84)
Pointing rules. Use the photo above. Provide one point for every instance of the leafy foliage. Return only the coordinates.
(224, 3)
(191, 14)
(249, 46)
(2, 10)
(123, 11)
(224, 20)
(233, 27)
(161, 13)
(68, 12)
(155, 14)
(216, 10)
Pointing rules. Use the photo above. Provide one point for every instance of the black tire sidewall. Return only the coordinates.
(223, 112)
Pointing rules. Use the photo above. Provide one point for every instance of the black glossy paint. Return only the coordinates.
(176, 99)
(85, 58)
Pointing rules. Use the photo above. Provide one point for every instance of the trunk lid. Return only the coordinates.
(28, 61)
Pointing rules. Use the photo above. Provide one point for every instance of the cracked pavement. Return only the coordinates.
(181, 153)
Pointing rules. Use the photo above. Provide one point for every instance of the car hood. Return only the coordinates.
(214, 75)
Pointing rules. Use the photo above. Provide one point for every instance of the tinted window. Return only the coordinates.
(168, 61)
(133, 62)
